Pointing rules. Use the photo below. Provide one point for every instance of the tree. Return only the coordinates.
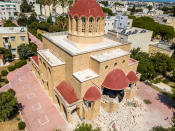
(25, 7)
(32, 18)
(105, 3)
(86, 127)
(133, 10)
(62, 22)
(150, 7)
(8, 105)
(9, 23)
(22, 20)
(26, 51)
(173, 10)
(107, 10)
(6, 52)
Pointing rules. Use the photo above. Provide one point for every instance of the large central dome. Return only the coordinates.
(86, 23)
(86, 8)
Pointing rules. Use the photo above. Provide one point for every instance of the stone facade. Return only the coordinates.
(12, 37)
(74, 62)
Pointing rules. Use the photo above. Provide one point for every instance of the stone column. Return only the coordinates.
(79, 26)
(103, 25)
(69, 24)
(87, 26)
(94, 26)
(73, 26)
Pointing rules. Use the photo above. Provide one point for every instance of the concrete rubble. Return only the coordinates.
(129, 117)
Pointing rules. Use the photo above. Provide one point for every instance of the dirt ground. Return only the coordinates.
(11, 125)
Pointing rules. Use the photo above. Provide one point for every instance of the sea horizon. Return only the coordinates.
(164, 1)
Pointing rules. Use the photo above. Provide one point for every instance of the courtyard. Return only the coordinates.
(41, 114)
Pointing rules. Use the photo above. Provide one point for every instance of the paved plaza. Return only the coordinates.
(39, 112)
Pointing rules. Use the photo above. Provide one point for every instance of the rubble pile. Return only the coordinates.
(127, 118)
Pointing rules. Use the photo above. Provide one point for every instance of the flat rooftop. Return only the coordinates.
(108, 55)
(60, 39)
(85, 75)
(133, 30)
(50, 57)
(163, 46)
(11, 30)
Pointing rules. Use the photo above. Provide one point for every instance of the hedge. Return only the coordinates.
(20, 63)
(11, 68)
(21, 125)
(6, 81)
(17, 65)
(4, 72)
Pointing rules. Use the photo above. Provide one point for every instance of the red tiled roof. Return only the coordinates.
(132, 77)
(35, 58)
(116, 80)
(67, 91)
(86, 8)
(92, 94)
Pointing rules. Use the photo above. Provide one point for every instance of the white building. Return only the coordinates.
(139, 38)
(8, 9)
(117, 23)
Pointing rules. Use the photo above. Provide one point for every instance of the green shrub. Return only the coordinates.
(147, 101)
(44, 26)
(20, 63)
(166, 81)
(6, 81)
(86, 127)
(159, 128)
(54, 28)
(21, 125)
(11, 68)
(4, 72)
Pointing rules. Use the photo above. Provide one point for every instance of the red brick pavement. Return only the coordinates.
(39, 112)
(160, 111)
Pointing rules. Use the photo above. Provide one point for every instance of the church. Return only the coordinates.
(84, 70)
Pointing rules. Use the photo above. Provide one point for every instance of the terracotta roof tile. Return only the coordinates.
(67, 91)
(116, 80)
(92, 94)
(132, 77)
(86, 8)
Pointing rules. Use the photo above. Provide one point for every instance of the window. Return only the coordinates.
(106, 66)
(13, 50)
(90, 24)
(12, 38)
(120, 24)
(76, 23)
(83, 24)
(115, 64)
(123, 61)
(23, 38)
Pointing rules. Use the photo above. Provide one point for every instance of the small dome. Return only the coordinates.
(116, 80)
(92, 94)
(86, 8)
(132, 77)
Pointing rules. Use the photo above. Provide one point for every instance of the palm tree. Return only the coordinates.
(49, 3)
(63, 3)
(70, 3)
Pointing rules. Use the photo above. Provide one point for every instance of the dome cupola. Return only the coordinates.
(86, 22)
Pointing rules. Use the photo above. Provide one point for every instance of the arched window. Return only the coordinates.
(98, 24)
(91, 24)
(83, 19)
(76, 23)
(71, 23)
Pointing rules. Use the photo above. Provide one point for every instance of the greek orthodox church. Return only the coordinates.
(84, 70)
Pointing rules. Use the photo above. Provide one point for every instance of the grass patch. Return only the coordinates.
(10, 125)
(147, 101)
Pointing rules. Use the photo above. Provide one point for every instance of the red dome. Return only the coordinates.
(67, 91)
(132, 77)
(92, 94)
(116, 80)
(86, 8)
